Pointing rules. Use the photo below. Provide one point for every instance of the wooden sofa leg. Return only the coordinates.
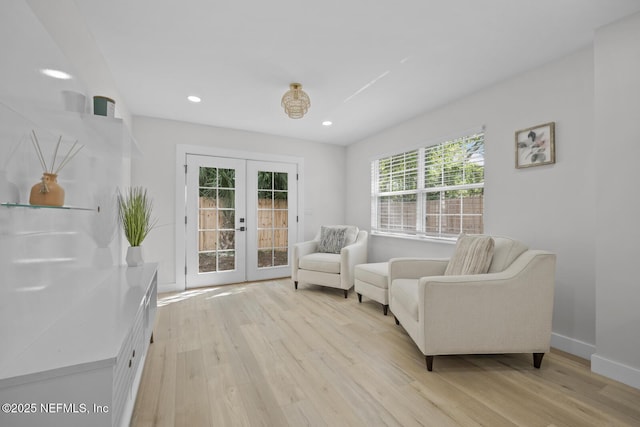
(385, 309)
(346, 293)
(359, 297)
(429, 360)
(396, 319)
(295, 284)
(537, 360)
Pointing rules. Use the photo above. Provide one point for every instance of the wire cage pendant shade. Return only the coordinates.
(295, 101)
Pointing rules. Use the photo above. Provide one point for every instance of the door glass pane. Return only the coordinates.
(281, 217)
(207, 241)
(280, 180)
(265, 258)
(280, 195)
(226, 199)
(227, 240)
(264, 199)
(208, 177)
(281, 237)
(216, 220)
(226, 260)
(265, 238)
(227, 219)
(265, 218)
(280, 257)
(208, 219)
(207, 262)
(208, 197)
(265, 180)
(273, 219)
(226, 178)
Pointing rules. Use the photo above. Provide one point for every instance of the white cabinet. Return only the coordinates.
(74, 327)
(83, 366)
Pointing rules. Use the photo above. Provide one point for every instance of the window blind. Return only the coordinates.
(435, 191)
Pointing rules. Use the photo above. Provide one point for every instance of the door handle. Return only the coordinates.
(240, 229)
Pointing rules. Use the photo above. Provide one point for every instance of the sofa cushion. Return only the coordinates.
(405, 293)
(473, 255)
(505, 251)
(323, 262)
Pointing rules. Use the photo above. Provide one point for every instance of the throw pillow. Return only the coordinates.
(472, 255)
(332, 239)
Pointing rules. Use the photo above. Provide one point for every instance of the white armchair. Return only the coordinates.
(506, 310)
(316, 263)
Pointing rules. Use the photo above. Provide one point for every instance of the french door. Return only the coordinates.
(240, 220)
(271, 218)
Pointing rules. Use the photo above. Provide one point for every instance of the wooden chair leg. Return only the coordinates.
(295, 284)
(429, 360)
(359, 297)
(385, 309)
(346, 293)
(537, 360)
(396, 319)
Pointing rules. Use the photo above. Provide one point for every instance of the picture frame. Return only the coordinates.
(536, 146)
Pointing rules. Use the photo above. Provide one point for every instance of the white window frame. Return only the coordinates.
(421, 191)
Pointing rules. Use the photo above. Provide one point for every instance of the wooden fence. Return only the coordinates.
(448, 217)
(218, 225)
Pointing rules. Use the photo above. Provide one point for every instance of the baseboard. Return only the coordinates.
(572, 346)
(616, 371)
(169, 287)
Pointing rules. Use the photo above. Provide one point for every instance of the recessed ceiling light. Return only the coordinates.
(327, 123)
(194, 98)
(56, 74)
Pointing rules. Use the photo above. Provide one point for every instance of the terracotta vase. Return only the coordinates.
(47, 192)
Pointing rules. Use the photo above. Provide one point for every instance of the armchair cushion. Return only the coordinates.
(323, 262)
(473, 255)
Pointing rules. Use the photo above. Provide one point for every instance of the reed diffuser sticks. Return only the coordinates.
(70, 154)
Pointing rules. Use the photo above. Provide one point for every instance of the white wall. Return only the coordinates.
(67, 28)
(617, 148)
(323, 180)
(548, 207)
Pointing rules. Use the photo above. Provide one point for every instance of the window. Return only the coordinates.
(435, 191)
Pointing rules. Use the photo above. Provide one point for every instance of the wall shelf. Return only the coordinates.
(71, 208)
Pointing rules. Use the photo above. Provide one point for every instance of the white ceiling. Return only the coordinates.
(365, 64)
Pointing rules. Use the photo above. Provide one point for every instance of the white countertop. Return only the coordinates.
(77, 321)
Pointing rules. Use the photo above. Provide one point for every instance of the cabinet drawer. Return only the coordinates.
(121, 384)
(127, 364)
(137, 342)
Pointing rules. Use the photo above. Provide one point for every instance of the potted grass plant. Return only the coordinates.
(134, 213)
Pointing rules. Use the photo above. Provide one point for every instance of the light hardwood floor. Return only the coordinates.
(262, 354)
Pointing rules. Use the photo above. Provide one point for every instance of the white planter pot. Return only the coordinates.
(134, 256)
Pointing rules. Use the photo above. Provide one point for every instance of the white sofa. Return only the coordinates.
(506, 310)
(334, 270)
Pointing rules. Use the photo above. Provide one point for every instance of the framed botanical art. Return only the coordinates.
(535, 146)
